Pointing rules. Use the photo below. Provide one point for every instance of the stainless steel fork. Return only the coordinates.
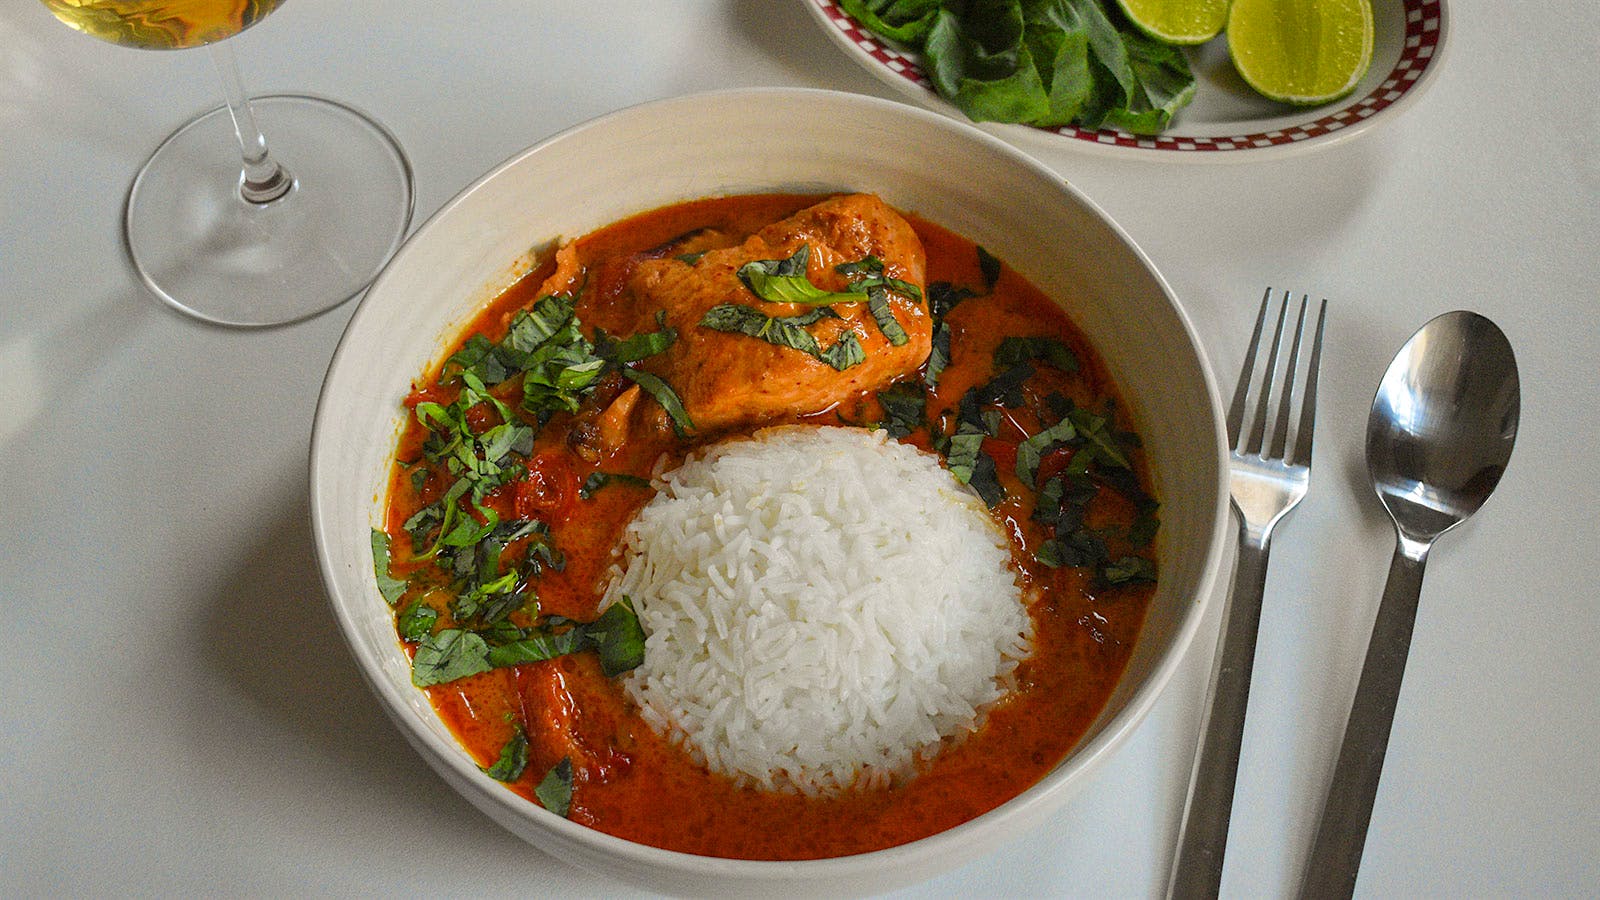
(1270, 473)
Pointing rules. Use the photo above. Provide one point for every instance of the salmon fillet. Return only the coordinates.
(732, 380)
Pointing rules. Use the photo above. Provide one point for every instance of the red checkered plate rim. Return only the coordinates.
(1408, 47)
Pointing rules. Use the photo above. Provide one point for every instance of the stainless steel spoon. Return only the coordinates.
(1438, 439)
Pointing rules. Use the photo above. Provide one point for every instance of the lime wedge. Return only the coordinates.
(1303, 52)
(1177, 21)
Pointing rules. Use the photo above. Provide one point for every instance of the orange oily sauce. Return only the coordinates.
(630, 781)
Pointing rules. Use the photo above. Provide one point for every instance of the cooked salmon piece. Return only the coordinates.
(730, 380)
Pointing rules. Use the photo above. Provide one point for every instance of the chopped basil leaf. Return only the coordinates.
(618, 637)
(536, 646)
(904, 408)
(477, 355)
(1032, 450)
(785, 281)
(1016, 350)
(416, 621)
(845, 352)
(1128, 570)
(867, 275)
(689, 258)
(664, 395)
(1093, 427)
(513, 758)
(989, 265)
(448, 655)
(555, 791)
(598, 480)
(986, 481)
(938, 354)
(1005, 389)
(784, 331)
(962, 454)
(639, 346)
(389, 586)
(1143, 529)
(883, 314)
(944, 296)
(1080, 548)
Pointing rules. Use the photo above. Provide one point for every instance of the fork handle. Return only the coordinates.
(1342, 833)
(1203, 835)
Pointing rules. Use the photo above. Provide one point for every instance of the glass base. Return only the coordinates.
(205, 250)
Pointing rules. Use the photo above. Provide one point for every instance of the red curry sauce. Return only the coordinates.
(640, 787)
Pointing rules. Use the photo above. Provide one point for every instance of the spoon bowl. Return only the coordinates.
(1438, 439)
(1443, 422)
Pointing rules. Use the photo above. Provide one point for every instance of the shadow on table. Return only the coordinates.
(272, 638)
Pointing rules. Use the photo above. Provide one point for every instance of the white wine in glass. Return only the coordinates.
(226, 231)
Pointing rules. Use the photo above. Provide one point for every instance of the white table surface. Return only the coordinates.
(179, 715)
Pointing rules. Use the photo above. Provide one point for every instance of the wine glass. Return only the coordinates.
(250, 240)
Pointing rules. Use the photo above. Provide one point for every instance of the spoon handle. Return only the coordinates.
(1342, 834)
(1203, 835)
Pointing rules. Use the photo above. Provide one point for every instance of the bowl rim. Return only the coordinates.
(1026, 807)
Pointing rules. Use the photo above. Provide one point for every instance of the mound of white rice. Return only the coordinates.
(824, 608)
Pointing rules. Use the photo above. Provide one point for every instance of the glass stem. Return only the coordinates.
(264, 180)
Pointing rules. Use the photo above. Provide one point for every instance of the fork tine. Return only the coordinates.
(1280, 433)
(1308, 409)
(1241, 393)
(1258, 429)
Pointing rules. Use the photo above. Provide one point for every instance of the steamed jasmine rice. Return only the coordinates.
(825, 608)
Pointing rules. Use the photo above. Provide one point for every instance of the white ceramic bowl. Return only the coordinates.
(761, 141)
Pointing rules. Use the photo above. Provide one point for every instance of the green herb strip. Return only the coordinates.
(416, 621)
(664, 394)
(555, 790)
(942, 297)
(883, 315)
(513, 758)
(616, 637)
(785, 331)
(598, 480)
(448, 655)
(785, 281)
(389, 586)
(904, 408)
(1031, 451)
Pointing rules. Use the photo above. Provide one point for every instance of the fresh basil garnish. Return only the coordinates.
(904, 408)
(1128, 570)
(784, 331)
(389, 586)
(617, 637)
(1017, 350)
(664, 395)
(1031, 451)
(785, 281)
(845, 352)
(416, 621)
(513, 758)
(989, 265)
(448, 655)
(598, 480)
(883, 315)
(555, 790)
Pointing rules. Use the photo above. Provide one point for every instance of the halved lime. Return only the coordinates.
(1303, 52)
(1177, 21)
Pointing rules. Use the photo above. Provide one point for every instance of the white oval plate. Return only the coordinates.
(1227, 120)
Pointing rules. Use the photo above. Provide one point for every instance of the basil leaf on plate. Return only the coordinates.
(555, 791)
(448, 655)
(513, 758)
